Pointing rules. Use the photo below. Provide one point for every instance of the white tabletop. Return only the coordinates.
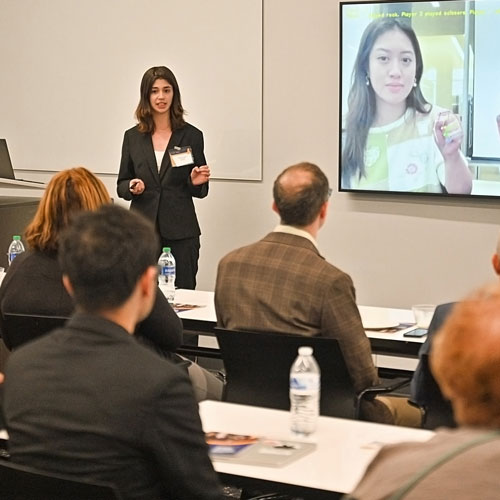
(206, 312)
(344, 447)
(393, 316)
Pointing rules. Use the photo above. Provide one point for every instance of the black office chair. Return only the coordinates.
(258, 366)
(18, 482)
(17, 329)
(425, 391)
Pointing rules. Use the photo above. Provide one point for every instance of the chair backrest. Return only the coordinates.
(18, 482)
(258, 366)
(17, 329)
(425, 391)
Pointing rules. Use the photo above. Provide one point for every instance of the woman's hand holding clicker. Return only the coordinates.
(136, 186)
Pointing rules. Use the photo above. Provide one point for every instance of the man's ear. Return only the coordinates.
(323, 212)
(149, 281)
(67, 284)
(275, 208)
(495, 260)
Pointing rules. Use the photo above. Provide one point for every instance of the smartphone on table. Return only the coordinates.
(418, 332)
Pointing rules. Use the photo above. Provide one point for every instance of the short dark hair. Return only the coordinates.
(299, 204)
(104, 253)
(144, 114)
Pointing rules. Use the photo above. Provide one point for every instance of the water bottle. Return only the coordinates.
(166, 278)
(15, 248)
(304, 392)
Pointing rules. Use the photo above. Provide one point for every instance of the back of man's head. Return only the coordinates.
(299, 193)
(104, 253)
(465, 358)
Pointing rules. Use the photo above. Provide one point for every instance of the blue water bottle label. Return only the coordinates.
(305, 383)
(168, 271)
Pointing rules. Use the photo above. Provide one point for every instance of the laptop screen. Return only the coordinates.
(6, 171)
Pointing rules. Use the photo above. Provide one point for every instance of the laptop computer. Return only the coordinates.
(6, 170)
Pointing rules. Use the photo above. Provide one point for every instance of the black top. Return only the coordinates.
(33, 285)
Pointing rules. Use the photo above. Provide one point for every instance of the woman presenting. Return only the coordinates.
(162, 167)
(394, 139)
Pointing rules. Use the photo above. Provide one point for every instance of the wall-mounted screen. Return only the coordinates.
(420, 102)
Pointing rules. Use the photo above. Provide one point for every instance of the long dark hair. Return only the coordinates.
(144, 114)
(361, 101)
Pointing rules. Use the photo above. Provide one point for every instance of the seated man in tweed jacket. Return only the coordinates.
(283, 284)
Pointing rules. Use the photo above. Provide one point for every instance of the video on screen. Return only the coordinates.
(420, 99)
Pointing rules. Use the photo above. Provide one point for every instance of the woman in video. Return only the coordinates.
(394, 140)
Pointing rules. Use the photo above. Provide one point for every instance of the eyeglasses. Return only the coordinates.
(330, 191)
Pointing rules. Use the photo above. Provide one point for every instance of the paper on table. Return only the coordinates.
(400, 328)
(222, 444)
(265, 452)
(184, 307)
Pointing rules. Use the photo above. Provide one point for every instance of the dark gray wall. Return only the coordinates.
(15, 214)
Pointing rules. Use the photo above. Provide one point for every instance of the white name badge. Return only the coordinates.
(180, 157)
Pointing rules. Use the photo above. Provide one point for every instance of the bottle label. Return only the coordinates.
(168, 270)
(12, 256)
(305, 382)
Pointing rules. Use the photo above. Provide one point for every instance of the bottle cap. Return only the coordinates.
(166, 249)
(305, 351)
(16, 237)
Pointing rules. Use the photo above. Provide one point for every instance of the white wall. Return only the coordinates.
(398, 250)
(71, 71)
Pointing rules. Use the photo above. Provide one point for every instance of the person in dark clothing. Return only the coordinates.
(87, 400)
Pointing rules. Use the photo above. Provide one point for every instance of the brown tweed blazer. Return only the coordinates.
(282, 284)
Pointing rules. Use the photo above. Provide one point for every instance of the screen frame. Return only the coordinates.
(474, 162)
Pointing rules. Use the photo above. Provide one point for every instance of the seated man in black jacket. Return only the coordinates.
(87, 400)
(425, 391)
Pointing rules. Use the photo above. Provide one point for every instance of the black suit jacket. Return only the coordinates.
(88, 401)
(168, 197)
(424, 388)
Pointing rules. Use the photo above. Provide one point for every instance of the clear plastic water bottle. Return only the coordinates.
(15, 248)
(304, 392)
(166, 278)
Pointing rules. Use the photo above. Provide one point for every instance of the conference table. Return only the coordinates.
(344, 448)
(390, 348)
